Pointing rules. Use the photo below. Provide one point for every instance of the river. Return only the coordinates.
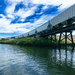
(16, 60)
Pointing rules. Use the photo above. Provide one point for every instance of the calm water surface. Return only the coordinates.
(16, 60)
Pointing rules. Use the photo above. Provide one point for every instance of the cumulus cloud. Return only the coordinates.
(10, 16)
(5, 26)
(10, 9)
(2, 15)
(23, 14)
(25, 2)
(65, 3)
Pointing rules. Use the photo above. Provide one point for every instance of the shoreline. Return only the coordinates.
(34, 42)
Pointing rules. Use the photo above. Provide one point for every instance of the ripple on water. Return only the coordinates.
(15, 60)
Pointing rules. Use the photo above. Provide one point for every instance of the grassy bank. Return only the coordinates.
(29, 41)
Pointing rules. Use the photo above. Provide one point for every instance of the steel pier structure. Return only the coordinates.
(62, 23)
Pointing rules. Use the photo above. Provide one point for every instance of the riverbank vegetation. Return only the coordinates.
(30, 41)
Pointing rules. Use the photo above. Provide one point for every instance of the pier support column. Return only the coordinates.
(66, 36)
(53, 38)
(65, 39)
(72, 38)
(59, 39)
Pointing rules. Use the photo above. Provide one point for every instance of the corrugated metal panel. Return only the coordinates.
(67, 14)
(42, 27)
(20, 36)
(25, 34)
(32, 32)
(73, 10)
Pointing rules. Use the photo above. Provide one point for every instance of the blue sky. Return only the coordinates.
(20, 16)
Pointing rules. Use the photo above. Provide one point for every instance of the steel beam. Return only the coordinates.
(56, 31)
(66, 37)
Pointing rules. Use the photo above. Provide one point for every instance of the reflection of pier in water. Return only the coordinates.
(63, 59)
(54, 61)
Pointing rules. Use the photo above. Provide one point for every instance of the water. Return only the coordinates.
(16, 60)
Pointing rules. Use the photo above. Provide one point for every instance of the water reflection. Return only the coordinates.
(17, 60)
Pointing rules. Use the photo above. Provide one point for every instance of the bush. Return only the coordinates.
(29, 41)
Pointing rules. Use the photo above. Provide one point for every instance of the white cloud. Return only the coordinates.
(6, 27)
(45, 2)
(10, 16)
(25, 2)
(2, 15)
(4, 21)
(23, 14)
(10, 9)
(14, 1)
(45, 7)
(65, 3)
